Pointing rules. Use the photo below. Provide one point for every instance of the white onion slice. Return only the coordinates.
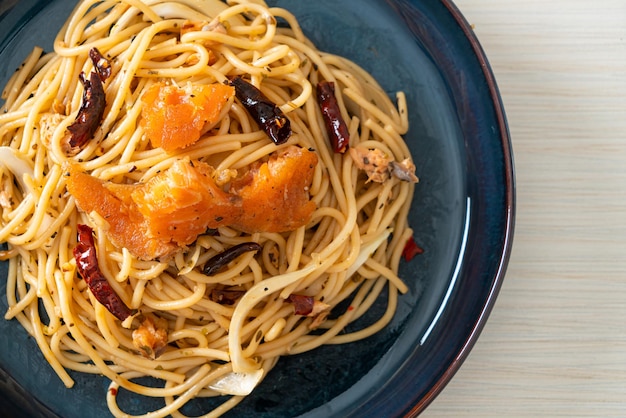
(366, 252)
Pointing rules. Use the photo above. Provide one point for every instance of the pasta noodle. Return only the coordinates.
(349, 247)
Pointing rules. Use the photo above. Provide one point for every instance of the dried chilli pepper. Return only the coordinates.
(226, 297)
(217, 262)
(411, 249)
(335, 125)
(309, 306)
(90, 112)
(265, 113)
(87, 263)
(93, 102)
(100, 63)
(302, 305)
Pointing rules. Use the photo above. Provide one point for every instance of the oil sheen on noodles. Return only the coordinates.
(222, 332)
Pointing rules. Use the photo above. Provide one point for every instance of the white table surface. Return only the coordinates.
(555, 343)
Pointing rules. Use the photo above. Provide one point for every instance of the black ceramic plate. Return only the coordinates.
(462, 214)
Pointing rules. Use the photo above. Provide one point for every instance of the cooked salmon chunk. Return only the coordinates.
(155, 219)
(275, 193)
(175, 117)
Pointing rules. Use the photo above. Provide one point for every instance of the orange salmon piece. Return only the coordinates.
(154, 220)
(175, 117)
(183, 201)
(275, 194)
(127, 227)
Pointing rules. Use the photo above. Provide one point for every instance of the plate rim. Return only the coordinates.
(509, 215)
(509, 219)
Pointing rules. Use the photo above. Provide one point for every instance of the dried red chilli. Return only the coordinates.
(226, 297)
(93, 102)
(217, 262)
(90, 112)
(335, 125)
(265, 113)
(411, 249)
(302, 305)
(87, 263)
(100, 63)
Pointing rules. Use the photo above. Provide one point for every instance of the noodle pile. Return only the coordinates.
(350, 248)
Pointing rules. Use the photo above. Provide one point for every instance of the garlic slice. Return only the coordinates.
(20, 167)
(16, 165)
(238, 384)
(366, 252)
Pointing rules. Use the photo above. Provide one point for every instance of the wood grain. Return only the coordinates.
(555, 344)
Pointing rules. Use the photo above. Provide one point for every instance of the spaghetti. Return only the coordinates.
(80, 216)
